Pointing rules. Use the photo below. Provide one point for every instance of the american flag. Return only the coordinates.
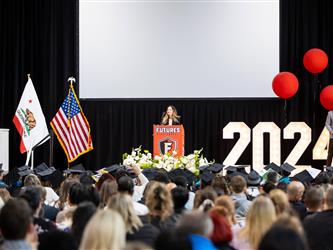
(72, 128)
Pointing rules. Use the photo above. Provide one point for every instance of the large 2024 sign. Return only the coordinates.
(319, 151)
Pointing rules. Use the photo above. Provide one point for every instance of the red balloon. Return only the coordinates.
(285, 85)
(326, 97)
(315, 60)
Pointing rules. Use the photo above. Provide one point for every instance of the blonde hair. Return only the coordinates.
(105, 230)
(175, 117)
(159, 201)
(122, 203)
(280, 201)
(32, 180)
(259, 219)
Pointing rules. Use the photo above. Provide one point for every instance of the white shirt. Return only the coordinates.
(51, 196)
(138, 190)
(140, 209)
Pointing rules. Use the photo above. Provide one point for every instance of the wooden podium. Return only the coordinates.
(4, 148)
(168, 139)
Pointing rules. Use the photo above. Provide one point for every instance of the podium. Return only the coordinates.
(4, 148)
(168, 139)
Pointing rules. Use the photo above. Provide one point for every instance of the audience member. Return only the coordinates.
(135, 229)
(222, 233)
(314, 200)
(160, 205)
(280, 201)
(81, 216)
(259, 219)
(242, 204)
(17, 227)
(56, 240)
(126, 185)
(108, 189)
(224, 205)
(33, 195)
(295, 192)
(319, 226)
(105, 230)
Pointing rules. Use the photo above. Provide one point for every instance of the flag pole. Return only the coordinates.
(71, 79)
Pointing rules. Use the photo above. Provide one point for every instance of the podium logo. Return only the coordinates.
(167, 145)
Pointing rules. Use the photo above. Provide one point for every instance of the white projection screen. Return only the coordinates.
(178, 48)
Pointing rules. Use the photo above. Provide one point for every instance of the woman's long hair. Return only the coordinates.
(175, 117)
(159, 201)
(122, 203)
(105, 230)
(259, 219)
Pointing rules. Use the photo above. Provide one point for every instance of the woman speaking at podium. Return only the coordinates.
(170, 116)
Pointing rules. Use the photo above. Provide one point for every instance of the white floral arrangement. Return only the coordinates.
(144, 160)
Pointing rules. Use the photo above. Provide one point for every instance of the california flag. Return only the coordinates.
(29, 120)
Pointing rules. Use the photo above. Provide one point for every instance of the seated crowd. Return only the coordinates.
(125, 208)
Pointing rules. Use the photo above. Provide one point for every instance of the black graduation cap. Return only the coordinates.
(174, 173)
(329, 169)
(236, 173)
(273, 166)
(22, 168)
(40, 168)
(231, 169)
(304, 177)
(150, 173)
(215, 168)
(56, 178)
(113, 169)
(25, 172)
(77, 169)
(191, 178)
(203, 168)
(206, 177)
(287, 167)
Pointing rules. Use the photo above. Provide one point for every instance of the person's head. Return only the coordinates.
(295, 191)
(282, 238)
(196, 222)
(86, 179)
(108, 188)
(162, 177)
(180, 197)
(56, 240)
(126, 185)
(159, 201)
(225, 206)
(122, 203)
(33, 195)
(81, 216)
(322, 178)
(105, 230)
(15, 220)
(238, 184)
(4, 195)
(314, 199)
(181, 181)
(272, 177)
(64, 191)
(104, 177)
(220, 185)
(268, 187)
(280, 201)
(170, 113)
(259, 219)
(208, 193)
(291, 221)
(79, 193)
(222, 230)
(329, 198)
(32, 180)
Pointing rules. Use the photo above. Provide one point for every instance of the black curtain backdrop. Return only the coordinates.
(40, 37)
